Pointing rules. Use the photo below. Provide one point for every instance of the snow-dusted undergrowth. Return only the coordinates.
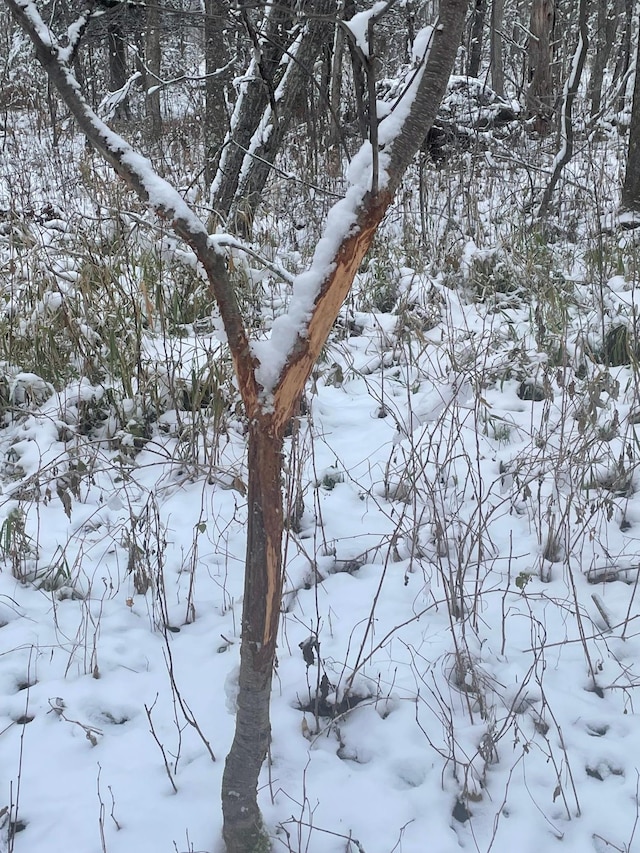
(458, 657)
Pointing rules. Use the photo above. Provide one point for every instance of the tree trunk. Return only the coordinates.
(153, 56)
(243, 828)
(623, 57)
(540, 93)
(334, 153)
(272, 129)
(216, 121)
(631, 188)
(475, 46)
(565, 151)
(604, 35)
(117, 62)
(497, 56)
(255, 94)
(359, 77)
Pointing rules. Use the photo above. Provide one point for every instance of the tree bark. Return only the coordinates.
(631, 188)
(496, 47)
(624, 14)
(153, 56)
(565, 152)
(216, 120)
(117, 62)
(540, 93)
(275, 124)
(604, 38)
(475, 46)
(243, 828)
(254, 96)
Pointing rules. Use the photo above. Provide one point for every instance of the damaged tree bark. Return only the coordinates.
(268, 410)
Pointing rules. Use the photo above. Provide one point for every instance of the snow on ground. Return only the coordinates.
(458, 655)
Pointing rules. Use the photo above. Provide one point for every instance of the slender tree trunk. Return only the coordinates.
(153, 57)
(216, 122)
(604, 34)
(565, 151)
(540, 93)
(475, 46)
(335, 95)
(496, 47)
(117, 61)
(631, 188)
(272, 129)
(243, 829)
(359, 77)
(624, 10)
(255, 94)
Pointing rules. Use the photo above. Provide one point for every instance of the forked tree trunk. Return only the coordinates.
(243, 829)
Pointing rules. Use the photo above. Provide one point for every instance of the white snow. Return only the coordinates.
(358, 25)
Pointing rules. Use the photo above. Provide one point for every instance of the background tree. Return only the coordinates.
(216, 58)
(631, 187)
(496, 47)
(475, 40)
(540, 91)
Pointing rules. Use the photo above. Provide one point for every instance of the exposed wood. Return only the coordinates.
(243, 829)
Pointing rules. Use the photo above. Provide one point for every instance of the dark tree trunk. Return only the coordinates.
(604, 38)
(623, 58)
(631, 188)
(117, 62)
(540, 93)
(475, 41)
(255, 171)
(153, 57)
(258, 91)
(359, 76)
(243, 829)
(497, 56)
(216, 121)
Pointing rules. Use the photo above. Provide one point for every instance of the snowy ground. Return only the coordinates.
(458, 658)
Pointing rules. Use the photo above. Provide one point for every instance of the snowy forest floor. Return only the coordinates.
(458, 665)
